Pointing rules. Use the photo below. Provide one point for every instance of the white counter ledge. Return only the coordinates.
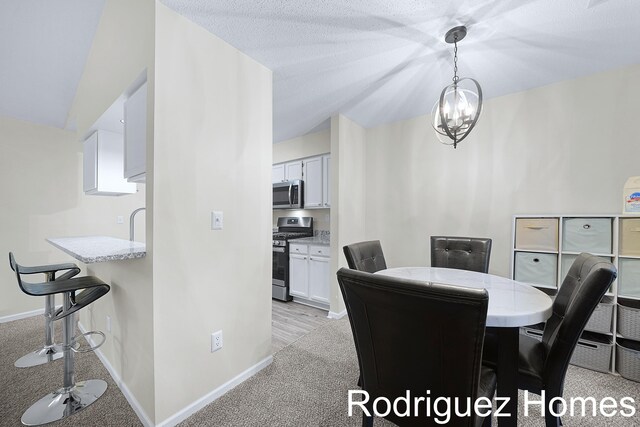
(92, 249)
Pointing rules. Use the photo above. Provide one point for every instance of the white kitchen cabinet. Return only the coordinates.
(313, 183)
(103, 163)
(319, 278)
(326, 181)
(298, 275)
(135, 135)
(277, 173)
(309, 274)
(286, 171)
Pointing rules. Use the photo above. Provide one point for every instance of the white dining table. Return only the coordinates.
(512, 304)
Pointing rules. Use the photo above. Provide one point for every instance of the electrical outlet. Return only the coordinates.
(216, 341)
(108, 323)
(119, 219)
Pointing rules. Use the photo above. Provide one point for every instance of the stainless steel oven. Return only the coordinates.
(288, 195)
(288, 228)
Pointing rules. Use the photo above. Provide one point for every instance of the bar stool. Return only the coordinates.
(72, 396)
(50, 351)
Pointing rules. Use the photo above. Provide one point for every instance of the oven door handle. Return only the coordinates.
(290, 194)
(278, 249)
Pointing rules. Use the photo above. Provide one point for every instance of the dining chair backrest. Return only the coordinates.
(587, 281)
(463, 253)
(415, 336)
(365, 256)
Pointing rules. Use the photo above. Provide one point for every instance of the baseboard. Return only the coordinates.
(19, 316)
(187, 411)
(194, 407)
(137, 408)
(334, 315)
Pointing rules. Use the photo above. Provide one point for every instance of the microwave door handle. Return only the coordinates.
(290, 194)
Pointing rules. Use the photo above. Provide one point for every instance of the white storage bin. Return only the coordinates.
(536, 268)
(630, 236)
(629, 277)
(593, 352)
(539, 234)
(565, 265)
(591, 235)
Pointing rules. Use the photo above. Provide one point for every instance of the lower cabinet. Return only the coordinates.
(309, 274)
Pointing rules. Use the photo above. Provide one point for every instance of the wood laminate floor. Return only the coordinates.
(291, 321)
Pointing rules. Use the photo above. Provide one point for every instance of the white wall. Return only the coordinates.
(348, 190)
(213, 151)
(122, 48)
(42, 197)
(563, 148)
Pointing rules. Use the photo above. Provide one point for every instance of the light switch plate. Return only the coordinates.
(216, 220)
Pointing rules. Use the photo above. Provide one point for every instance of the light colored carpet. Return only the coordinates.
(306, 385)
(20, 388)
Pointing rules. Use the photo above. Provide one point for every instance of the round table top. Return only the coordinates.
(511, 303)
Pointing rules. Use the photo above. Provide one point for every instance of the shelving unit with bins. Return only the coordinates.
(545, 246)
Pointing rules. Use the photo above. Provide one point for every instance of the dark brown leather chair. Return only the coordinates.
(463, 253)
(365, 256)
(543, 365)
(415, 336)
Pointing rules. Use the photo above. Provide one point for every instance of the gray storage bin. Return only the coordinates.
(629, 277)
(565, 265)
(536, 268)
(532, 332)
(591, 235)
(602, 318)
(628, 359)
(593, 352)
(629, 318)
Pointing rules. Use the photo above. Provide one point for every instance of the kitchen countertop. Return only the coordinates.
(92, 249)
(315, 240)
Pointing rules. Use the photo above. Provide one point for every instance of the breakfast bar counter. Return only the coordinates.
(93, 249)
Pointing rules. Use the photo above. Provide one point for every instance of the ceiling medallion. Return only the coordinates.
(458, 109)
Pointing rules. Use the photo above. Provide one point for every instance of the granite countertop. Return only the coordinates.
(92, 249)
(315, 240)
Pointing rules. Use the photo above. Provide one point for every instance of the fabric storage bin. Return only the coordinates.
(629, 277)
(536, 268)
(602, 318)
(591, 235)
(593, 352)
(565, 265)
(628, 359)
(537, 234)
(630, 236)
(534, 331)
(629, 318)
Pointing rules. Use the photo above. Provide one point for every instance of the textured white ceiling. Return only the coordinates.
(380, 61)
(374, 61)
(43, 48)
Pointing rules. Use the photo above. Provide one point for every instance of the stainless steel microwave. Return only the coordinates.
(288, 195)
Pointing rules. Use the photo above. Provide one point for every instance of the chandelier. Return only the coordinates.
(457, 111)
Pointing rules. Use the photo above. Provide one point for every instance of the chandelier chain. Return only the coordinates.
(455, 60)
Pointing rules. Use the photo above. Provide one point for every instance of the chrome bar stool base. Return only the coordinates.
(40, 357)
(64, 402)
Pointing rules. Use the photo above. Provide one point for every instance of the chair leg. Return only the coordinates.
(50, 351)
(551, 420)
(72, 397)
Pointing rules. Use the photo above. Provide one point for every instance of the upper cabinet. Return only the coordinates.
(103, 164)
(313, 183)
(286, 171)
(326, 181)
(135, 135)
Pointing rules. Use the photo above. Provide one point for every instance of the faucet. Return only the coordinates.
(131, 218)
